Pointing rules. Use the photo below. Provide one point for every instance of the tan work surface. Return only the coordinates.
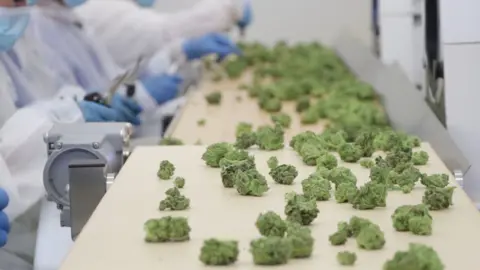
(113, 238)
(221, 120)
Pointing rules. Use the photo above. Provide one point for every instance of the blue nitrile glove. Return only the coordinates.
(127, 109)
(4, 223)
(247, 15)
(94, 112)
(163, 87)
(214, 43)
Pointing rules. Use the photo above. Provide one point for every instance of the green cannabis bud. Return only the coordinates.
(166, 170)
(179, 182)
(341, 175)
(300, 208)
(271, 250)
(417, 257)
(167, 229)
(301, 240)
(370, 237)
(215, 152)
(282, 119)
(243, 127)
(317, 187)
(174, 200)
(345, 192)
(270, 138)
(170, 141)
(214, 98)
(333, 141)
(434, 180)
(413, 218)
(217, 252)
(327, 160)
(370, 196)
(272, 162)
(346, 258)
(338, 238)
(284, 174)
(438, 198)
(309, 116)
(364, 141)
(420, 158)
(250, 183)
(201, 122)
(349, 152)
(229, 169)
(303, 103)
(356, 224)
(245, 140)
(367, 163)
(271, 224)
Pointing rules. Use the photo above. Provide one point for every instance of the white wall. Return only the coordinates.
(301, 20)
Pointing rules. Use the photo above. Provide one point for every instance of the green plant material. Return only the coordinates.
(413, 218)
(311, 152)
(370, 196)
(284, 174)
(438, 198)
(387, 140)
(214, 98)
(321, 172)
(271, 224)
(367, 163)
(356, 224)
(271, 250)
(166, 170)
(179, 182)
(309, 116)
(338, 238)
(243, 127)
(235, 68)
(272, 162)
(270, 138)
(344, 226)
(364, 141)
(345, 192)
(250, 183)
(303, 103)
(412, 141)
(174, 201)
(346, 258)
(300, 208)
(370, 237)
(327, 160)
(420, 158)
(170, 141)
(333, 141)
(349, 152)
(417, 257)
(342, 175)
(230, 168)
(272, 104)
(246, 140)
(215, 152)
(217, 77)
(217, 252)
(317, 187)
(434, 180)
(301, 240)
(167, 229)
(282, 119)
(201, 122)
(399, 158)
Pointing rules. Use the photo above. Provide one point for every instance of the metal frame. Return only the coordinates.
(405, 106)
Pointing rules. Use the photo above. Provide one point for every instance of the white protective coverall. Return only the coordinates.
(74, 46)
(130, 31)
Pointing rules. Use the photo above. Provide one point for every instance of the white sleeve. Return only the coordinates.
(23, 152)
(123, 25)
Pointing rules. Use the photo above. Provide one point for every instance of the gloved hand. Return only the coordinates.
(247, 17)
(162, 88)
(213, 43)
(94, 112)
(4, 223)
(127, 109)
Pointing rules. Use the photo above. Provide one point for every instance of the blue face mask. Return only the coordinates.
(31, 2)
(12, 28)
(73, 3)
(145, 3)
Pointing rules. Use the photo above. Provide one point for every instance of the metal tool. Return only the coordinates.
(128, 79)
(83, 160)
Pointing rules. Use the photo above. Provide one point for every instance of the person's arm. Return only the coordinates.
(124, 26)
(23, 152)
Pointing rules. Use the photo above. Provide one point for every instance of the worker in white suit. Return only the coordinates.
(133, 26)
